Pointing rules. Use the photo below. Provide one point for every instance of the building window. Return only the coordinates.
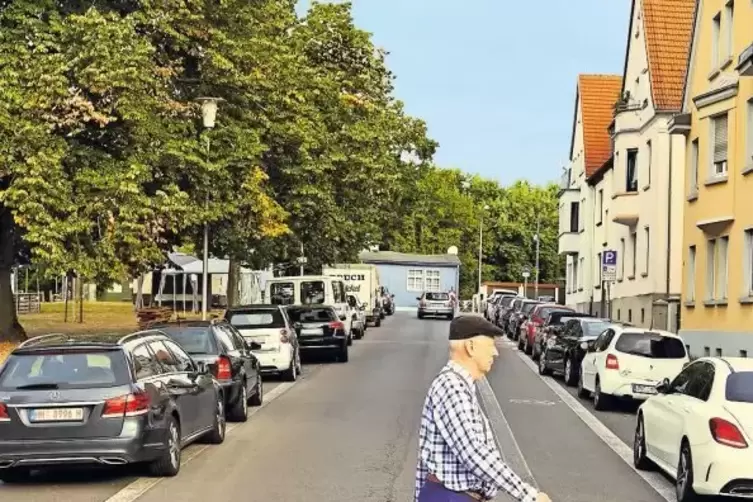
(601, 206)
(690, 274)
(622, 258)
(719, 159)
(743, 353)
(433, 280)
(649, 158)
(706, 352)
(710, 269)
(643, 316)
(576, 275)
(582, 273)
(647, 234)
(581, 218)
(748, 263)
(416, 280)
(598, 268)
(570, 277)
(716, 268)
(718, 352)
(715, 41)
(723, 271)
(693, 178)
(633, 253)
(574, 216)
(729, 15)
(630, 315)
(618, 314)
(749, 158)
(631, 173)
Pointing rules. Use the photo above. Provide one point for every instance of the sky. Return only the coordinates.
(495, 80)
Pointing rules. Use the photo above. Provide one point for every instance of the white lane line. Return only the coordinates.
(497, 418)
(139, 487)
(617, 445)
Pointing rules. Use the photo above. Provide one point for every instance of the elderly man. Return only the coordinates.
(458, 459)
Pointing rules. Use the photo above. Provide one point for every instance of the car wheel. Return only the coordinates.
(543, 369)
(342, 354)
(350, 338)
(15, 475)
(535, 355)
(168, 463)
(570, 378)
(582, 392)
(238, 412)
(298, 361)
(291, 374)
(217, 434)
(359, 333)
(258, 396)
(684, 485)
(601, 400)
(378, 322)
(640, 460)
(520, 344)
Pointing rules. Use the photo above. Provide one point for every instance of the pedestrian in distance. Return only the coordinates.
(458, 458)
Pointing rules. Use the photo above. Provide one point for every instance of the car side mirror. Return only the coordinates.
(418, 298)
(342, 317)
(664, 387)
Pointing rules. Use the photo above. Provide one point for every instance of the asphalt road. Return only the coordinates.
(347, 432)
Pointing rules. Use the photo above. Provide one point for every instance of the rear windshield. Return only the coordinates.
(559, 317)
(65, 370)
(257, 319)
(437, 296)
(312, 315)
(312, 292)
(596, 328)
(739, 387)
(282, 293)
(651, 345)
(545, 311)
(516, 305)
(194, 340)
(528, 307)
(506, 301)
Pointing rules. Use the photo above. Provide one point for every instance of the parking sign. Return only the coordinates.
(609, 265)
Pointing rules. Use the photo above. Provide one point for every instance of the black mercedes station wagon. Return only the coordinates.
(104, 399)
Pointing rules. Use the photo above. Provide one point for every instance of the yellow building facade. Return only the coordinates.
(716, 316)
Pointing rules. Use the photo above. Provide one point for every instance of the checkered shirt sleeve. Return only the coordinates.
(455, 445)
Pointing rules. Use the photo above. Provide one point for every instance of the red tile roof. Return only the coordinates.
(598, 94)
(668, 26)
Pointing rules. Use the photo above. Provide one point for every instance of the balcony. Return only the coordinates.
(745, 62)
(569, 243)
(624, 208)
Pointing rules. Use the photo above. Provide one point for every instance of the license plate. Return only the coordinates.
(56, 415)
(312, 332)
(644, 389)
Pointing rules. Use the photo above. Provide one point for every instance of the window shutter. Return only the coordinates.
(720, 138)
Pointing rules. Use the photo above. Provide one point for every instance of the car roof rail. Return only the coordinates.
(37, 339)
(138, 334)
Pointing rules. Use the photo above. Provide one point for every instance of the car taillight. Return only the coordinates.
(130, 405)
(222, 369)
(337, 325)
(4, 416)
(284, 336)
(612, 362)
(727, 433)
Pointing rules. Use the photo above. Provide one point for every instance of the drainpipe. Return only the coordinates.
(669, 219)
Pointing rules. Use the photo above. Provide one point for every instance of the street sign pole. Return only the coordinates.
(526, 275)
(608, 275)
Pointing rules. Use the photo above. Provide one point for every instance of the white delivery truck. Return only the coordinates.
(362, 281)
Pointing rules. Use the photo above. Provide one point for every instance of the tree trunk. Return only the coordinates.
(233, 281)
(10, 329)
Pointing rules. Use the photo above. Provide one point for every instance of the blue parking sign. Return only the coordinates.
(609, 258)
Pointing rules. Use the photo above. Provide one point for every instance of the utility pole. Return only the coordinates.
(538, 249)
(302, 259)
(480, 249)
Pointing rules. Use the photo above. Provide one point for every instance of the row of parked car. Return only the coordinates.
(140, 398)
(695, 420)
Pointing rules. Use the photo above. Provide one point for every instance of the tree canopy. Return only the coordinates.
(105, 165)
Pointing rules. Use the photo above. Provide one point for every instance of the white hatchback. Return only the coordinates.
(269, 326)
(627, 362)
(699, 429)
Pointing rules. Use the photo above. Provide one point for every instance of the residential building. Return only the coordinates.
(717, 119)
(639, 208)
(407, 276)
(589, 149)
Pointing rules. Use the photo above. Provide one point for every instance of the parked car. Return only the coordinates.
(388, 302)
(502, 306)
(518, 320)
(269, 326)
(533, 333)
(563, 351)
(628, 362)
(318, 329)
(698, 429)
(435, 304)
(104, 399)
(359, 325)
(229, 357)
(507, 313)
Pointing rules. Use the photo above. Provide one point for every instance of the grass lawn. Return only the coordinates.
(107, 317)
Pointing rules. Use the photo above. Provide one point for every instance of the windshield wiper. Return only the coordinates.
(40, 386)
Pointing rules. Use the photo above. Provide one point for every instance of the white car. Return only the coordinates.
(359, 325)
(269, 326)
(699, 429)
(627, 363)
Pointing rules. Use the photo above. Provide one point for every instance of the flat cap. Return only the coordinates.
(467, 326)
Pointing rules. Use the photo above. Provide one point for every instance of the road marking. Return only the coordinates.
(139, 487)
(533, 401)
(516, 461)
(617, 445)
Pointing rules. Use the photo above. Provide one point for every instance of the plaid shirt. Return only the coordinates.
(456, 444)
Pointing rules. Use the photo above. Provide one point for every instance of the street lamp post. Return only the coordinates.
(208, 119)
(481, 245)
(538, 249)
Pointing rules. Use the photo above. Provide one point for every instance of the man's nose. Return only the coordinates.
(495, 352)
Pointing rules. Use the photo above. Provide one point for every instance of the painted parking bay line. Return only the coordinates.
(654, 479)
(136, 489)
